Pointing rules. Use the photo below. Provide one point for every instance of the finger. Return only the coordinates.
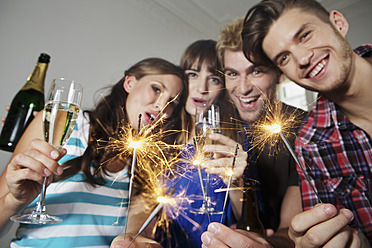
(222, 139)
(219, 235)
(333, 231)
(356, 240)
(47, 155)
(7, 107)
(303, 221)
(341, 239)
(208, 240)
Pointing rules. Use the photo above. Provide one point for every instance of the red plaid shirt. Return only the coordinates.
(338, 160)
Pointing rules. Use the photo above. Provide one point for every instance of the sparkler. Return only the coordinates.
(276, 128)
(135, 144)
(162, 200)
(230, 178)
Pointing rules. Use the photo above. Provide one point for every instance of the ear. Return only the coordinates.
(339, 22)
(129, 81)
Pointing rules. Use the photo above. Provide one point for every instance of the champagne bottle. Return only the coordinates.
(30, 98)
(249, 219)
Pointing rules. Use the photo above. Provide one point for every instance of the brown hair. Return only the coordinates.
(260, 17)
(204, 52)
(230, 38)
(109, 115)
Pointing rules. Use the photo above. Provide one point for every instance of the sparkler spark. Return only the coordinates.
(162, 200)
(276, 128)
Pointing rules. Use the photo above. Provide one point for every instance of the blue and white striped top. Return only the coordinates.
(92, 216)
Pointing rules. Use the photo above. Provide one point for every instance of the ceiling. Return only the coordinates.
(208, 16)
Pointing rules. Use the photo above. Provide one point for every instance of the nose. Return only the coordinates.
(202, 87)
(245, 85)
(303, 56)
(160, 103)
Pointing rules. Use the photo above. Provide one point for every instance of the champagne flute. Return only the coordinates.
(60, 115)
(207, 121)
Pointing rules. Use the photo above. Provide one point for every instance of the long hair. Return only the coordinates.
(109, 115)
(203, 52)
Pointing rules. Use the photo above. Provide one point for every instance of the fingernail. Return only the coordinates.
(329, 210)
(47, 172)
(59, 170)
(348, 214)
(206, 238)
(54, 154)
(118, 246)
(213, 228)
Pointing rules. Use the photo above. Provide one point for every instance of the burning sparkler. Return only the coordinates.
(229, 183)
(276, 128)
(161, 200)
(135, 144)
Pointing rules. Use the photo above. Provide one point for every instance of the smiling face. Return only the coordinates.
(204, 88)
(150, 96)
(247, 83)
(311, 52)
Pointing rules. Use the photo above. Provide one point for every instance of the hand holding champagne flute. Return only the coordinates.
(60, 115)
(207, 121)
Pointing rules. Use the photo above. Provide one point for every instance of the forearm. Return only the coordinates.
(8, 207)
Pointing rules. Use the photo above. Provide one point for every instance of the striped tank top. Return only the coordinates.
(92, 216)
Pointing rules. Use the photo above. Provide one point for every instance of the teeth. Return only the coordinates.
(152, 117)
(318, 68)
(247, 100)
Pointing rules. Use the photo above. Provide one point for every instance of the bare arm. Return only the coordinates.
(21, 180)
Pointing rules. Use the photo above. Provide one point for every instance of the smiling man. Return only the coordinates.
(307, 43)
(248, 84)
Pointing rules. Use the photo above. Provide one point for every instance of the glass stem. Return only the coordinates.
(40, 206)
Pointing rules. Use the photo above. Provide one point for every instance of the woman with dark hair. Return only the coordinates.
(88, 190)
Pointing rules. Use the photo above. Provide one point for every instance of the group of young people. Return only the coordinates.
(239, 73)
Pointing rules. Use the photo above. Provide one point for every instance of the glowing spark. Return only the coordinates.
(274, 128)
(135, 144)
(286, 143)
(162, 200)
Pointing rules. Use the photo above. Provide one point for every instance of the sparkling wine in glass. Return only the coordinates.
(60, 115)
(207, 121)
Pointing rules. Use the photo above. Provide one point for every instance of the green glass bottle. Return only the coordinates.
(249, 219)
(30, 98)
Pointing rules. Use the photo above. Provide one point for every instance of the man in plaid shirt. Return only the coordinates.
(334, 146)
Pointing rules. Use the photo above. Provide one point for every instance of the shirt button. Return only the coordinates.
(348, 191)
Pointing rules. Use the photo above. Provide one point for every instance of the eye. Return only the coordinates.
(156, 89)
(192, 75)
(231, 74)
(215, 80)
(283, 60)
(304, 36)
(256, 72)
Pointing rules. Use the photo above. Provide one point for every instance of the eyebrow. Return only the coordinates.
(295, 36)
(250, 68)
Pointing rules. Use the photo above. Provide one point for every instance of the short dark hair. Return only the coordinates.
(260, 18)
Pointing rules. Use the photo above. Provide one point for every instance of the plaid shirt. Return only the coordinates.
(338, 157)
